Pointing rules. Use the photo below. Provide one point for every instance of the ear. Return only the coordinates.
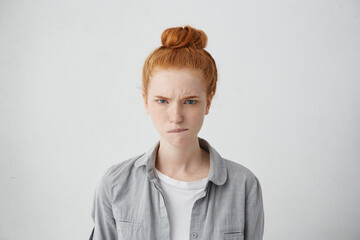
(146, 105)
(208, 104)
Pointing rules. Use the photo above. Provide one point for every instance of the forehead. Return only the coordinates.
(183, 79)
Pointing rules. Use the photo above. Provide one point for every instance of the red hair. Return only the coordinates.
(182, 48)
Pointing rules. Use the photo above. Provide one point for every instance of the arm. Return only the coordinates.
(104, 222)
(254, 216)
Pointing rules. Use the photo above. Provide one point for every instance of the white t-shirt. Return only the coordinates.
(180, 197)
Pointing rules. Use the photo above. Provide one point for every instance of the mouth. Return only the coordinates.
(178, 130)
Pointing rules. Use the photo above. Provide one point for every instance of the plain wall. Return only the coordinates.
(287, 106)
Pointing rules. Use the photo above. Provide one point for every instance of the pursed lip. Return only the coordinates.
(177, 130)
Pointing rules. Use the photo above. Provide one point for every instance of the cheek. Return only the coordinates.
(158, 115)
(196, 116)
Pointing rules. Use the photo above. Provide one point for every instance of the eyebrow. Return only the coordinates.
(188, 97)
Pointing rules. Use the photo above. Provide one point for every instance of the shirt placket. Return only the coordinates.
(164, 232)
(195, 222)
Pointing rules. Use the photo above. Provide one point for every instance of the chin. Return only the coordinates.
(179, 140)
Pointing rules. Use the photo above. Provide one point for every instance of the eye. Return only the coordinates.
(161, 101)
(190, 101)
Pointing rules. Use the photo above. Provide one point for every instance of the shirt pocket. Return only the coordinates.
(129, 223)
(234, 236)
(129, 229)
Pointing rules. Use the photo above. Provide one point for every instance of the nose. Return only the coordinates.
(176, 113)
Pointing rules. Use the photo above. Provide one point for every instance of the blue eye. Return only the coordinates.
(161, 101)
(190, 101)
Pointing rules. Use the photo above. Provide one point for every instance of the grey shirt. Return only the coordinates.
(129, 202)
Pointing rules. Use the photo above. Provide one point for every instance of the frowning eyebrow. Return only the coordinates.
(188, 97)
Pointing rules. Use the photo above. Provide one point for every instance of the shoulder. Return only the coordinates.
(237, 169)
(119, 172)
(241, 175)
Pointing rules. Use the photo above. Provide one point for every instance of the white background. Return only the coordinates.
(287, 106)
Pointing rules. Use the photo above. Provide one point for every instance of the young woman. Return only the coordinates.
(181, 188)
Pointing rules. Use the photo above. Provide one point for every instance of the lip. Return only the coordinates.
(177, 130)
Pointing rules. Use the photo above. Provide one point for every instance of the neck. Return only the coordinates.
(188, 163)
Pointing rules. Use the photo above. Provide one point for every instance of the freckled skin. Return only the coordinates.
(168, 103)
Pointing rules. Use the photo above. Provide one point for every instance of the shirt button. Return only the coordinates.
(194, 235)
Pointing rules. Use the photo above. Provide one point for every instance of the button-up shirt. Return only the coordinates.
(129, 202)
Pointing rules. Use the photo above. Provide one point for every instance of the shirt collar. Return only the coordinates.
(217, 173)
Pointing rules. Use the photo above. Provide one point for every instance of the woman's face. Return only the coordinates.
(177, 103)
